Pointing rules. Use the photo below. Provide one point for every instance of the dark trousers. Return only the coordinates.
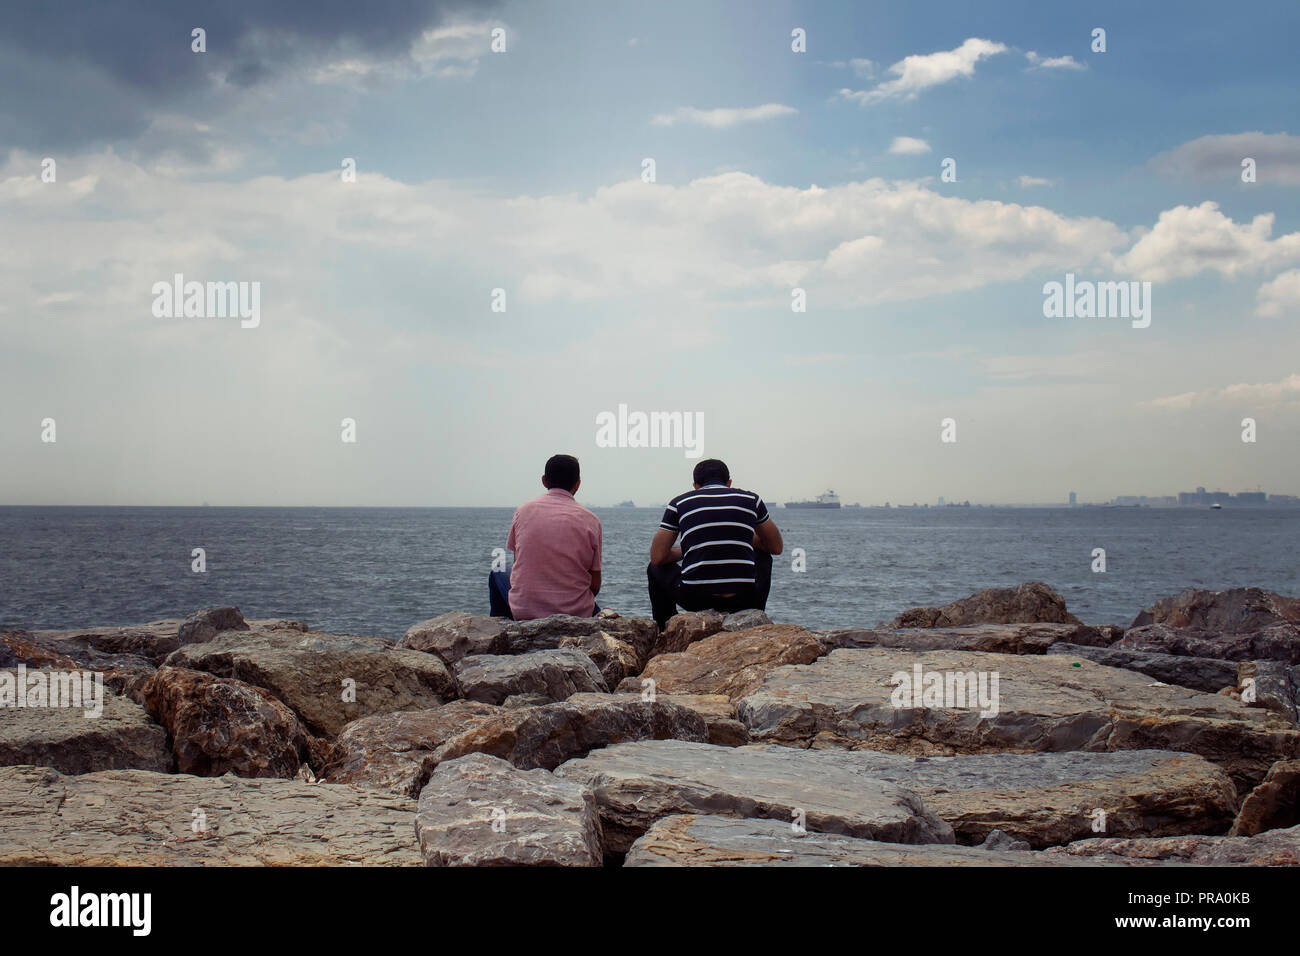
(667, 591)
(499, 595)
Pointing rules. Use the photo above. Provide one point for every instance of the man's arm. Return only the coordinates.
(767, 537)
(595, 583)
(662, 550)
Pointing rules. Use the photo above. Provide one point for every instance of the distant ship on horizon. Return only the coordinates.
(828, 500)
(626, 504)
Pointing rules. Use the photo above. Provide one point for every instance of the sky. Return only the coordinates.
(503, 269)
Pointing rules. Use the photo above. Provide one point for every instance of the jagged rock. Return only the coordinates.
(1046, 799)
(616, 659)
(456, 635)
(1273, 685)
(730, 663)
(1234, 611)
(278, 624)
(709, 840)
(745, 620)
(1278, 643)
(1272, 805)
(123, 673)
(1030, 603)
(1199, 673)
(685, 629)
(638, 783)
(67, 739)
(313, 673)
(481, 811)
(992, 638)
(1273, 848)
(997, 840)
(719, 713)
(399, 751)
(139, 818)
(548, 633)
(558, 674)
(153, 641)
(218, 725)
(527, 700)
(1045, 703)
(206, 624)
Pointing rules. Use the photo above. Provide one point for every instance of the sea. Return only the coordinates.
(376, 571)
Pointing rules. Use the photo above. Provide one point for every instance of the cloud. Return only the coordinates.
(1280, 296)
(1286, 391)
(1187, 240)
(1028, 182)
(1276, 155)
(908, 146)
(1053, 63)
(919, 72)
(723, 117)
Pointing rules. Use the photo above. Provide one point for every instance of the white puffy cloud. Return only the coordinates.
(723, 117)
(908, 146)
(1280, 296)
(919, 72)
(1276, 156)
(1187, 240)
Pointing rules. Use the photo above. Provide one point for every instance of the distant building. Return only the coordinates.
(1074, 499)
(1251, 498)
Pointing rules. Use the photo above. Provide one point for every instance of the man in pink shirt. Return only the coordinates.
(557, 545)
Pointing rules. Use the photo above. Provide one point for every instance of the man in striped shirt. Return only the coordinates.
(724, 561)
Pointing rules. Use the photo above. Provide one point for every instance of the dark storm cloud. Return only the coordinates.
(91, 71)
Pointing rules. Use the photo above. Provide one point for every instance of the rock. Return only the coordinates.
(278, 624)
(616, 659)
(709, 840)
(1278, 643)
(456, 635)
(638, 783)
(481, 811)
(1234, 611)
(1274, 804)
(548, 633)
(1030, 603)
(685, 629)
(1046, 799)
(1044, 703)
(1273, 685)
(218, 725)
(1273, 848)
(555, 674)
(1199, 673)
(527, 700)
(730, 663)
(745, 620)
(719, 715)
(69, 740)
(312, 673)
(399, 751)
(139, 818)
(153, 641)
(997, 840)
(123, 674)
(992, 638)
(204, 625)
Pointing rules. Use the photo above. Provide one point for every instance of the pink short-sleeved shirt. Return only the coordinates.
(557, 545)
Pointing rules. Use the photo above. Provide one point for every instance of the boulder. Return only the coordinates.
(1234, 611)
(153, 641)
(218, 725)
(548, 633)
(555, 674)
(729, 663)
(719, 713)
(1199, 673)
(327, 680)
(206, 624)
(615, 659)
(141, 818)
(1280, 642)
(399, 751)
(638, 783)
(479, 810)
(69, 738)
(1273, 848)
(1042, 703)
(744, 620)
(991, 638)
(1272, 685)
(1030, 603)
(685, 629)
(455, 635)
(1045, 799)
(278, 624)
(711, 840)
(123, 673)
(1274, 804)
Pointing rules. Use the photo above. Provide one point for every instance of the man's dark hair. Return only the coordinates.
(562, 472)
(711, 471)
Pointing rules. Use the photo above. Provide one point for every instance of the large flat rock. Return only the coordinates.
(548, 633)
(710, 840)
(399, 751)
(67, 739)
(1048, 799)
(139, 818)
(1206, 674)
(1273, 848)
(455, 635)
(1045, 703)
(481, 811)
(638, 783)
(315, 674)
(992, 638)
(556, 675)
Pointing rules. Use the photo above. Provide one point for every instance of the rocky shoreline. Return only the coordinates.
(997, 730)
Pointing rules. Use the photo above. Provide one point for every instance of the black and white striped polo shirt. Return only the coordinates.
(716, 525)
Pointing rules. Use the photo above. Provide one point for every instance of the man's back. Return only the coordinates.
(557, 544)
(716, 526)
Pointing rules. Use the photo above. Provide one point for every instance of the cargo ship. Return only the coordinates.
(828, 500)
